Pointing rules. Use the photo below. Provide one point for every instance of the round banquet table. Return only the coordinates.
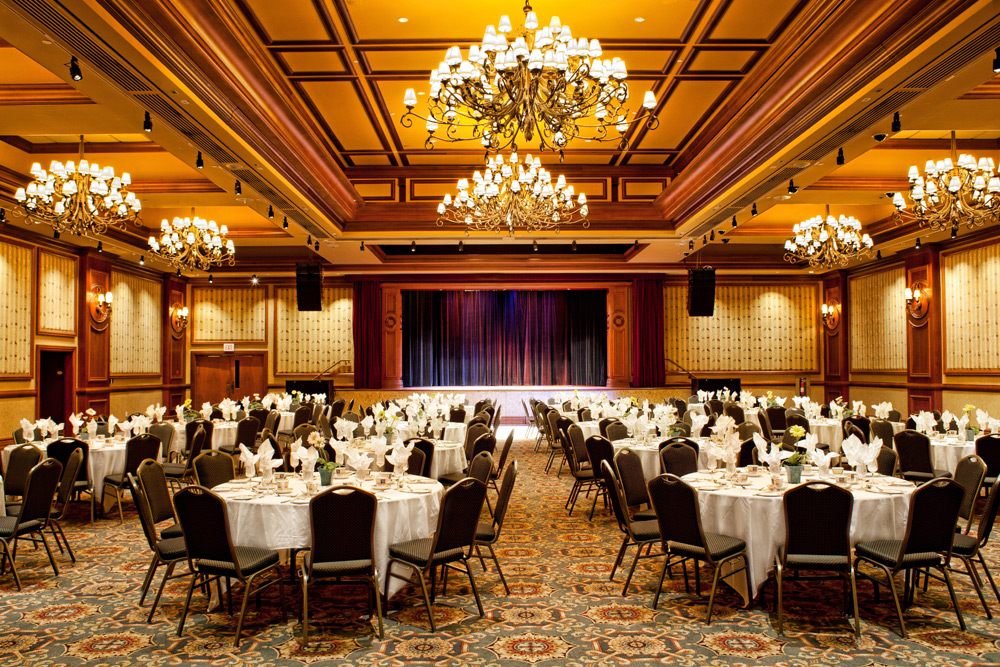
(759, 520)
(649, 454)
(282, 521)
(285, 420)
(223, 433)
(453, 431)
(947, 451)
(830, 432)
(449, 457)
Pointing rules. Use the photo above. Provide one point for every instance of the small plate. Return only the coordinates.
(707, 487)
(247, 497)
(412, 490)
(770, 494)
(300, 501)
(283, 492)
(381, 487)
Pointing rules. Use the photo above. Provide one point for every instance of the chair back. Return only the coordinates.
(969, 472)
(599, 449)
(504, 451)
(616, 431)
(457, 415)
(302, 415)
(271, 421)
(197, 445)
(337, 408)
(989, 515)
(747, 429)
(260, 414)
(22, 459)
(154, 485)
(850, 429)
(864, 424)
(342, 522)
(487, 442)
(681, 405)
(481, 418)
(933, 515)
(818, 520)
(302, 431)
(776, 417)
(36, 435)
(473, 433)
(765, 425)
(70, 472)
(583, 415)
(427, 447)
(988, 449)
(602, 426)
(212, 468)
(165, 432)
(416, 463)
(628, 469)
(191, 427)
(882, 428)
(480, 405)
(677, 512)
(895, 415)
(138, 449)
(578, 443)
(678, 459)
(323, 425)
(246, 431)
(715, 405)
(481, 466)
(735, 411)
(145, 513)
(680, 429)
(40, 492)
(317, 410)
(618, 503)
(682, 440)
(205, 524)
(914, 451)
(886, 461)
(795, 419)
(748, 451)
(503, 497)
(459, 516)
(911, 424)
(63, 448)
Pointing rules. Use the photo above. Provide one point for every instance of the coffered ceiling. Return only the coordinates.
(300, 100)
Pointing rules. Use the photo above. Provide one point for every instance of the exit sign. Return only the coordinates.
(229, 347)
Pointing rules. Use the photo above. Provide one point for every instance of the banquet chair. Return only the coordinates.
(602, 425)
(681, 440)
(584, 415)
(969, 473)
(968, 548)
(862, 423)
(552, 436)
(456, 415)
(36, 436)
(337, 408)
(167, 551)
(680, 429)
(796, 419)
(350, 405)
(212, 468)
(497, 471)
(137, 450)
(817, 538)
(988, 449)
(451, 544)
(794, 411)
(541, 411)
(886, 461)
(584, 479)
(480, 467)
(473, 433)
(176, 473)
(776, 418)
(895, 415)
(679, 520)
(765, 426)
(495, 421)
(927, 543)
(491, 412)
(560, 431)
(678, 459)
(576, 439)
(190, 428)
(260, 414)
(628, 472)
(246, 434)
(681, 405)
(641, 533)
(484, 443)
(302, 431)
(706, 430)
(161, 507)
(735, 411)
(22, 459)
(715, 406)
(212, 554)
(302, 415)
(342, 525)
(323, 426)
(480, 418)
(693, 398)
(165, 433)
(317, 410)
(32, 517)
(487, 534)
(599, 449)
(529, 418)
(61, 450)
(426, 447)
(64, 494)
(748, 453)
(480, 405)
(911, 424)
(687, 414)
(216, 412)
(882, 428)
(914, 451)
(747, 429)
(616, 431)
(824, 411)
(851, 429)
(416, 463)
(270, 422)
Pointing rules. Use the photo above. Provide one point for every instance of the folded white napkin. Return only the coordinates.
(264, 457)
(358, 459)
(697, 424)
(798, 400)
(28, 430)
(92, 427)
(836, 411)
(267, 401)
(925, 422)
(379, 446)
(76, 422)
(780, 400)
(249, 459)
(54, 428)
(808, 443)
(206, 410)
(724, 425)
(112, 422)
(179, 410)
(882, 409)
(345, 429)
(340, 448)
(367, 423)
(703, 395)
(308, 457)
(246, 401)
(399, 457)
(860, 455)
(982, 419)
(962, 423)
(822, 460)
(125, 427)
(771, 457)
(947, 418)
(294, 449)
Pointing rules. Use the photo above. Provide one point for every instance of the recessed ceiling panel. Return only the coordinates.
(289, 20)
(339, 105)
(689, 104)
(328, 62)
(752, 19)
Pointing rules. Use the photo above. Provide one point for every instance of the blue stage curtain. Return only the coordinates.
(504, 337)
(647, 333)
(367, 324)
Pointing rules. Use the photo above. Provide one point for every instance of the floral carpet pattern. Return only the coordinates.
(562, 610)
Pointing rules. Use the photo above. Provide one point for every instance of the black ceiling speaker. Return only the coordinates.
(309, 285)
(701, 292)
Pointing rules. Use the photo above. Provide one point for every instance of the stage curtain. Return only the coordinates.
(647, 333)
(504, 337)
(367, 334)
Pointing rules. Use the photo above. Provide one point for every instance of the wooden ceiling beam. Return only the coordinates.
(572, 170)
(937, 145)
(65, 147)
(873, 183)
(36, 94)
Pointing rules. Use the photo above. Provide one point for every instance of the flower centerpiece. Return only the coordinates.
(796, 431)
(793, 464)
(771, 402)
(189, 412)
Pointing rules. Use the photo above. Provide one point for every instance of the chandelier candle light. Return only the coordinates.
(543, 84)
(951, 191)
(196, 243)
(511, 196)
(827, 241)
(80, 198)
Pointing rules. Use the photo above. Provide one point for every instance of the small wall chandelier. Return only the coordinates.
(825, 242)
(511, 196)
(544, 85)
(951, 192)
(80, 198)
(193, 243)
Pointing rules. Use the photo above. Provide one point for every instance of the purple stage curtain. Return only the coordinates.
(647, 333)
(367, 334)
(504, 337)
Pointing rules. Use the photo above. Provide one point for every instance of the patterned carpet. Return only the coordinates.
(561, 610)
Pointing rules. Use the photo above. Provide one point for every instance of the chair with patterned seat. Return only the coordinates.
(914, 450)
(616, 431)
(988, 449)
(213, 468)
(161, 507)
(678, 459)
(177, 473)
(426, 447)
(167, 551)
(22, 459)
(776, 417)
(886, 461)
(599, 449)
(747, 429)
(863, 424)
(137, 450)
(33, 516)
(968, 548)
(640, 533)
(61, 450)
(487, 534)
(735, 411)
(969, 473)
(628, 471)
(882, 429)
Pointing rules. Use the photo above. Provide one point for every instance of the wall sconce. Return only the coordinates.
(831, 314)
(100, 303)
(178, 317)
(917, 299)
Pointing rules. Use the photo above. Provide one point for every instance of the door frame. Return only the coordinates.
(216, 353)
(69, 367)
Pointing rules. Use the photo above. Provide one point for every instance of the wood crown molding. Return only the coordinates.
(49, 94)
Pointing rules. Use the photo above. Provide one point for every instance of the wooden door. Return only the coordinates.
(210, 378)
(249, 375)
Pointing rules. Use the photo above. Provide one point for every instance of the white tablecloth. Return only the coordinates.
(947, 452)
(449, 457)
(273, 523)
(760, 521)
(649, 453)
(223, 433)
(285, 421)
(453, 432)
(102, 460)
(830, 432)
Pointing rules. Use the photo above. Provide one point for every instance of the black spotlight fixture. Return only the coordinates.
(897, 125)
(996, 61)
(734, 222)
(75, 72)
(178, 273)
(413, 246)
(362, 246)
(142, 260)
(725, 240)
(918, 243)
(461, 246)
(954, 232)
(691, 244)
(840, 157)
(198, 162)
(636, 244)
(878, 254)
(147, 123)
(534, 246)
(792, 188)
(574, 246)
(55, 234)
(210, 279)
(100, 246)
(284, 223)
(753, 209)
(711, 237)
(254, 280)
(704, 239)
(316, 246)
(309, 239)
(3, 215)
(239, 188)
(270, 212)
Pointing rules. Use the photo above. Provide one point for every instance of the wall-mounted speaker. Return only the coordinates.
(309, 285)
(701, 292)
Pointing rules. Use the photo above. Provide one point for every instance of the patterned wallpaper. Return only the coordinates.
(971, 315)
(755, 328)
(16, 277)
(878, 321)
(308, 342)
(136, 325)
(57, 293)
(228, 314)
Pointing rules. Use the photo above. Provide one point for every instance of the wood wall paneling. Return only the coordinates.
(174, 344)
(835, 341)
(392, 337)
(619, 336)
(16, 309)
(57, 313)
(94, 360)
(924, 335)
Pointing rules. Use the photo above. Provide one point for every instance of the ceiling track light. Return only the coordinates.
(254, 280)
(840, 157)
(284, 223)
(897, 125)
(270, 212)
(704, 239)
(362, 246)
(316, 246)
(100, 245)
(918, 243)
(210, 279)
(691, 244)
(753, 210)
(413, 246)
(792, 188)
(878, 254)
(199, 162)
(996, 61)
(239, 188)
(147, 123)
(55, 234)
(636, 244)
(534, 246)
(954, 232)
(178, 273)
(574, 246)
(309, 239)
(3, 215)
(711, 237)
(142, 260)
(461, 246)
(75, 72)
(734, 222)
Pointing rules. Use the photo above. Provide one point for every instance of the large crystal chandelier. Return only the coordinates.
(80, 198)
(193, 243)
(544, 85)
(511, 196)
(826, 241)
(954, 191)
